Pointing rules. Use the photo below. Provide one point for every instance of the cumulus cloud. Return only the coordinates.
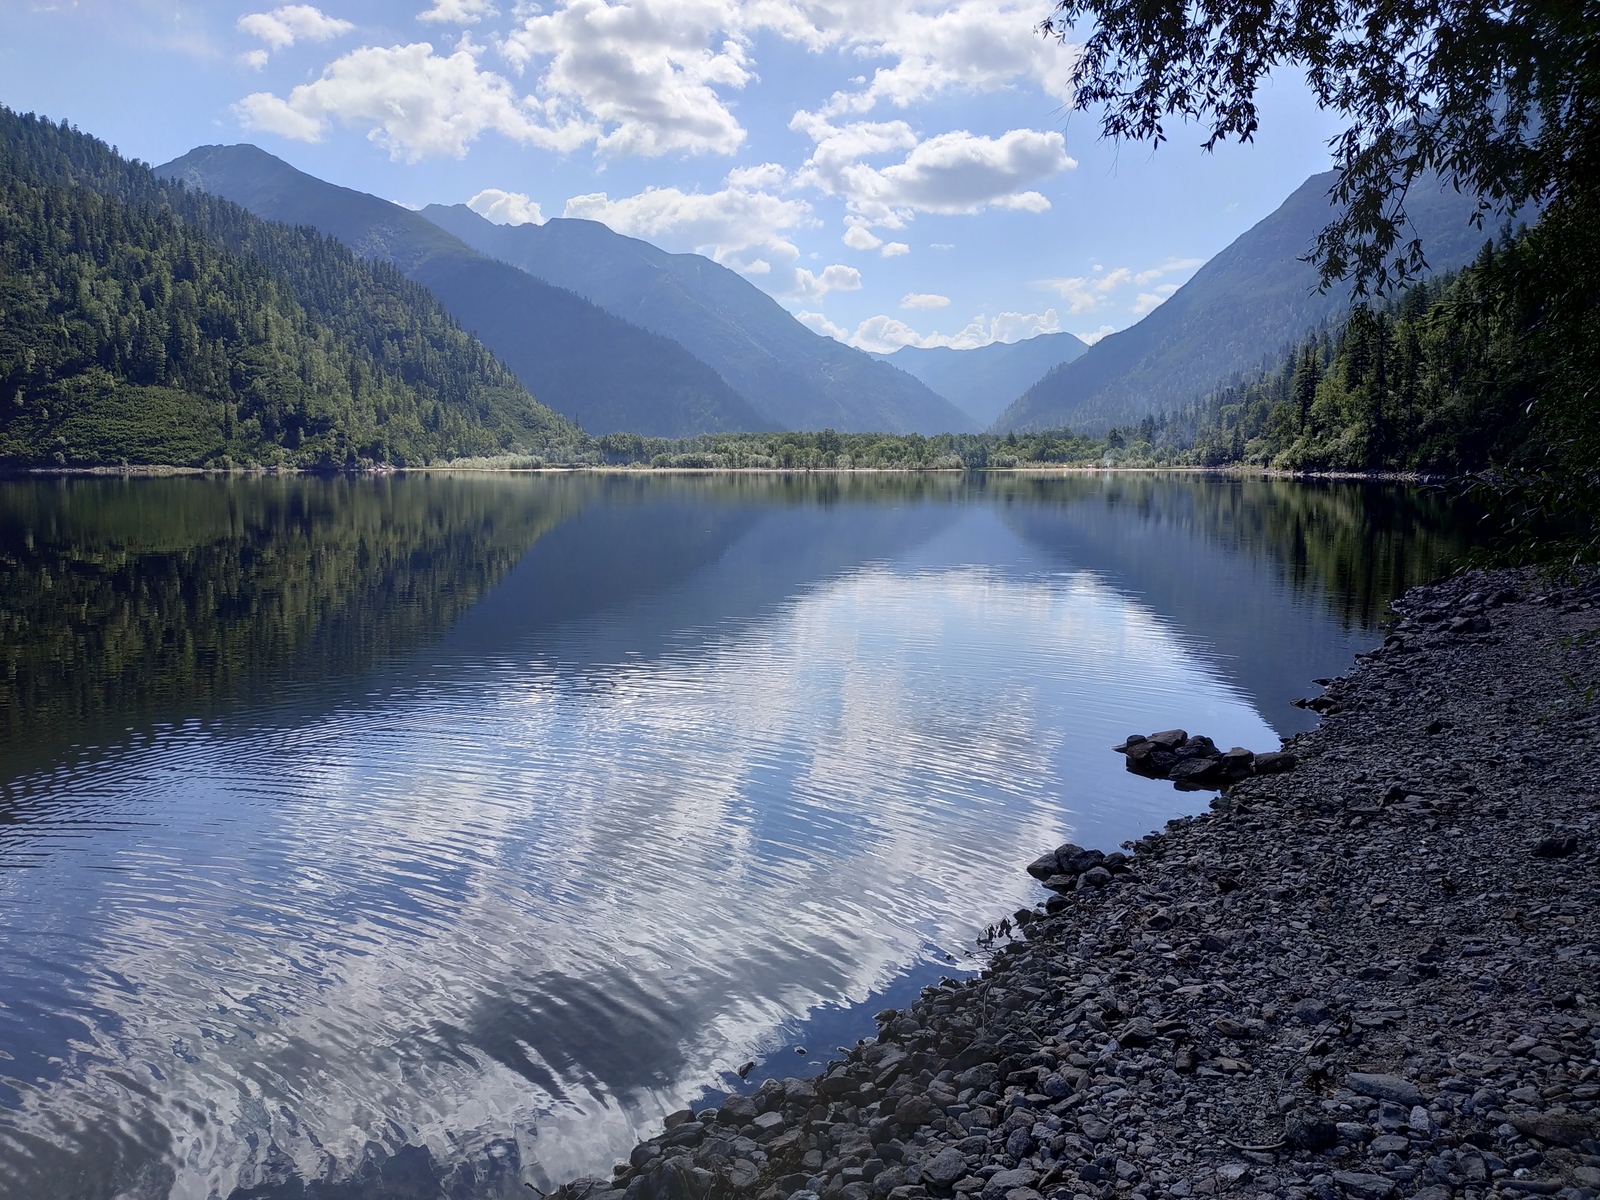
(291, 23)
(1095, 335)
(1088, 294)
(858, 236)
(506, 208)
(955, 172)
(459, 12)
(646, 71)
(924, 300)
(414, 103)
(255, 59)
(885, 334)
(895, 250)
(835, 278)
(739, 226)
(1149, 300)
(818, 323)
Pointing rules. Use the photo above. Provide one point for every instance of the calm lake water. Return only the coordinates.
(461, 827)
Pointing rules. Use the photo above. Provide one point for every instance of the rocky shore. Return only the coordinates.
(1374, 976)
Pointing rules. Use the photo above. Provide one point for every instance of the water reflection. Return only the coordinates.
(532, 806)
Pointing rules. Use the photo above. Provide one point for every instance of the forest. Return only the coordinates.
(143, 323)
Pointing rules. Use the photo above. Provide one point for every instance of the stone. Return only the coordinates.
(1140, 1031)
(1557, 845)
(1078, 860)
(1310, 1011)
(1364, 1184)
(1044, 866)
(1559, 1129)
(915, 1111)
(1003, 1182)
(1096, 877)
(1388, 1143)
(1310, 1131)
(947, 1167)
(737, 1110)
(1384, 1087)
(1229, 1028)
(1094, 1129)
(771, 1123)
(674, 1119)
(1275, 762)
(1169, 739)
(1196, 770)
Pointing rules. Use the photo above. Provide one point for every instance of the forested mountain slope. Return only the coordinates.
(600, 370)
(800, 379)
(1250, 301)
(984, 381)
(142, 323)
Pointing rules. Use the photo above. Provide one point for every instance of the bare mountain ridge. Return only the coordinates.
(981, 382)
(1252, 299)
(800, 379)
(584, 362)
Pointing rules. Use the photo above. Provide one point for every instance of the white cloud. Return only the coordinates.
(1095, 335)
(256, 59)
(1149, 300)
(895, 250)
(646, 71)
(924, 300)
(283, 27)
(506, 208)
(818, 323)
(413, 102)
(459, 12)
(738, 226)
(859, 237)
(970, 45)
(885, 334)
(1085, 295)
(835, 278)
(955, 172)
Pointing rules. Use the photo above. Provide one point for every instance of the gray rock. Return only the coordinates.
(1365, 1185)
(947, 1167)
(737, 1110)
(770, 1123)
(1275, 762)
(1140, 1031)
(1310, 1011)
(1559, 1129)
(1389, 1143)
(1096, 877)
(1384, 1087)
(1310, 1131)
(1170, 739)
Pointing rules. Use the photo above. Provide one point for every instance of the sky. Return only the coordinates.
(895, 172)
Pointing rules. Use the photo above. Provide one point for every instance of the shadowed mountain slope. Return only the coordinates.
(800, 379)
(984, 381)
(587, 363)
(1251, 300)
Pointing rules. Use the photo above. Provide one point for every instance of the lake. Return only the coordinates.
(454, 829)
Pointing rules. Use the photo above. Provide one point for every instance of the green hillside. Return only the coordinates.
(142, 323)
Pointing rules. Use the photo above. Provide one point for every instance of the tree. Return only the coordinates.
(1501, 100)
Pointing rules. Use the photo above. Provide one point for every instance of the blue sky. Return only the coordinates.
(893, 171)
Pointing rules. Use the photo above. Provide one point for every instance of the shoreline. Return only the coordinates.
(1375, 976)
(164, 472)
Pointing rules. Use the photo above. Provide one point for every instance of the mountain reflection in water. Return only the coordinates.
(464, 826)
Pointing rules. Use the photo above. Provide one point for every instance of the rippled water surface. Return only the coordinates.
(458, 828)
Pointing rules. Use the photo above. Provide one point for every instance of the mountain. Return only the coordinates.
(982, 382)
(141, 323)
(600, 370)
(801, 379)
(1250, 301)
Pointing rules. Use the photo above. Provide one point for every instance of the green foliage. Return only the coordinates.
(141, 323)
(1499, 99)
(829, 450)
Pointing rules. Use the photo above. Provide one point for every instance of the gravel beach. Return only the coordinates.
(1374, 975)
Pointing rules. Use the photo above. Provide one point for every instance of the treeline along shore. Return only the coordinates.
(1376, 975)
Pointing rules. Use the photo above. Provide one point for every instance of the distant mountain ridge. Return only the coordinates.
(589, 364)
(983, 381)
(802, 380)
(1251, 300)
